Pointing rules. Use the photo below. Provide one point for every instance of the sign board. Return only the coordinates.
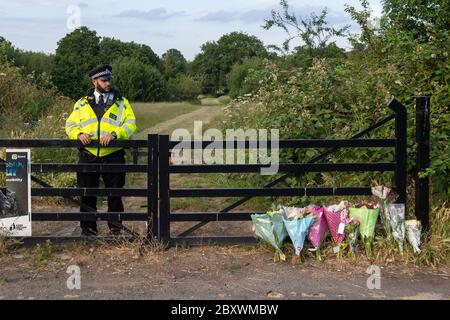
(15, 204)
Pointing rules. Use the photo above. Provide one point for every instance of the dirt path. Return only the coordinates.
(209, 273)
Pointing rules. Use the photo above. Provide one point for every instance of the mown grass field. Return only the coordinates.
(150, 114)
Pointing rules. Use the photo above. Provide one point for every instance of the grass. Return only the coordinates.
(43, 253)
(210, 102)
(150, 114)
(8, 245)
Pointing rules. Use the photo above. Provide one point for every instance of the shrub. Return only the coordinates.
(244, 78)
(224, 99)
(183, 87)
(138, 81)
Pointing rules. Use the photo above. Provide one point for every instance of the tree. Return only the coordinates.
(77, 53)
(217, 58)
(417, 16)
(111, 49)
(314, 32)
(7, 51)
(174, 63)
(138, 81)
(183, 87)
(243, 77)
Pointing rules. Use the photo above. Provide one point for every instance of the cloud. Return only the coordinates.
(83, 5)
(257, 16)
(165, 35)
(154, 14)
(219, 16)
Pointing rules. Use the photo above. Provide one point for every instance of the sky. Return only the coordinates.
(37, 25)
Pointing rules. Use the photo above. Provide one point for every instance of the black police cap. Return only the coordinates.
(103, 72)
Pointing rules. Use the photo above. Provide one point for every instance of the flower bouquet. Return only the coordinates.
(270, 228)
(367, 214)
(317, 230)
(385, 196)
(413, 230)
(337, 218)
(396, 213)
(297, 222)
(352, 234)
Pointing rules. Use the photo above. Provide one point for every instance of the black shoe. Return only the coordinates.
(89, 232)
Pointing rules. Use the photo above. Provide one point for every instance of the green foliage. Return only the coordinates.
(217, 58)
(174, 63)
(338, 97)
(36, 66)
(183, 87)
(138, 81)
(303, 56)
(76, 55)
(224, 99)
(79, 51)
(43, 253)
(112, 49)
(416, 16)
(7, 50)
(314, 32)
(243, 78)
(21, 99)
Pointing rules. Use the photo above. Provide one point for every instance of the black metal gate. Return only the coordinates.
(46, 190)
(158, 170)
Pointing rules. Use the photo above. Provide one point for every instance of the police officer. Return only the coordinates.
(103, 114)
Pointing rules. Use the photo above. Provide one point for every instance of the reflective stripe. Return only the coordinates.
(130, 121)
(110, 121)
(104, 133)
(94, 134)
(88, 122)
(68, 124)
(130, 132)
(77, 105)
(71, 129)
(121, 107)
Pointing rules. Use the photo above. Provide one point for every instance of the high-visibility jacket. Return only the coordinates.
(118, 118)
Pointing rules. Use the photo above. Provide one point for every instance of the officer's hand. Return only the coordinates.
(85, 138)
(105, 140)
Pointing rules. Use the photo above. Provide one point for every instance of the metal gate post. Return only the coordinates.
(422, 201)
(152, 184)
(164, 198)
(400, 149)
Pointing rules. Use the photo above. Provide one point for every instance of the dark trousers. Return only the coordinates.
(92, 180)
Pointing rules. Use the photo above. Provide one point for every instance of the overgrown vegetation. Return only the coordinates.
(306, 95)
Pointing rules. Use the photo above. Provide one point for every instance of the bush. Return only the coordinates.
(244, 78)
(224, 99)
(27, 111)
(183, 87)
(23, 101)
(138, 81)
